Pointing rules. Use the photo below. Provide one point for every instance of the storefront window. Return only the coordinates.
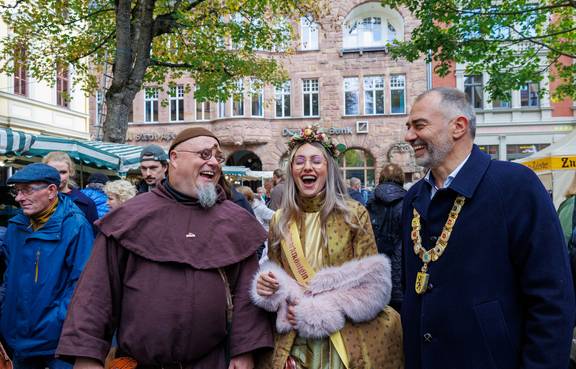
(514, 152)
(492, 150)
(360, 164)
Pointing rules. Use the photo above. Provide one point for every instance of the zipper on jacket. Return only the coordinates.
(37, 266)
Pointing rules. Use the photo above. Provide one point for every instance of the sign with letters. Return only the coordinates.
(552, 163)
(332, 131)
(150, 137)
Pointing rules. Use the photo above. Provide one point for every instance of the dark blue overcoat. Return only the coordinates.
(501, 295)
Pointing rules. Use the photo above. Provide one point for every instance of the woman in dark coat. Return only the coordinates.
(385, 209)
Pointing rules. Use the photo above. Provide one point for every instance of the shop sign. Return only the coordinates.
(552, 163)
(332, 131)
(150, 137)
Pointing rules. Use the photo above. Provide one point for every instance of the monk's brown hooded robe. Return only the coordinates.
(153, 277)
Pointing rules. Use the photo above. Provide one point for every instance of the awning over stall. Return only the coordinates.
(234, 170)
(14, 142)
(115, 157)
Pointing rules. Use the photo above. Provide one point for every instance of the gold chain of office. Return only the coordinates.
(428, 256)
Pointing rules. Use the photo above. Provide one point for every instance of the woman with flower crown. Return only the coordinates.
(325, 280)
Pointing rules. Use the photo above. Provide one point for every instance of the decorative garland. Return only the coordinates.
(312, 134)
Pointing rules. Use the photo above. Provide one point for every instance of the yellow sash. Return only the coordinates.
(303, 272)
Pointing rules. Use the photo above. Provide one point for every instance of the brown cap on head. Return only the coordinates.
(189, 133)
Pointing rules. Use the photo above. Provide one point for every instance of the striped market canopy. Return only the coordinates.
(129, 155)
(234, 170)
(15, 142)
(115, 157)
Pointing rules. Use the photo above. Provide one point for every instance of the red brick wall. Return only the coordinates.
(562, 108)
(448, 80)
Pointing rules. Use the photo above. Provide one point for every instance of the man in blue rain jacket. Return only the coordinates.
(46, 247)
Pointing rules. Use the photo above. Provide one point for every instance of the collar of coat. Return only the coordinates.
(157, 227)
(52, 229)
(465, 183)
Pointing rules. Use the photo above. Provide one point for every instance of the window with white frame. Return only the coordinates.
(391, 36)
(374, 95)
(310, 94)
(283, 25)
(308, 34)
(21, 71)
(238, 100)
(283, 100)
(503, 103)
(150, 104)
(473, 87)
(372, 26)
(62, 85)
(99, 105)
(351, 96)
(222, 109)
(398, 94)
(529, 95)
(203, 109)
(257, 98)
(176, 97)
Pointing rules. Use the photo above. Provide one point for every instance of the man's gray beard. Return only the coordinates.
(207, 195)
(436, 154)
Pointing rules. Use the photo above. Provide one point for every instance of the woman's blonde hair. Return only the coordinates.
(335, 201)
(61, 156)
(122, 189)
(571, 191)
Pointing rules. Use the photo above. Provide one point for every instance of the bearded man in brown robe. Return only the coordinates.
(158, 274)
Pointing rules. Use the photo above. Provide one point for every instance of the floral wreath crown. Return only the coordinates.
(313, 134)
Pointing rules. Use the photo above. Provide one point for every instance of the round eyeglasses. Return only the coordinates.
(207, 154)
(27, 191)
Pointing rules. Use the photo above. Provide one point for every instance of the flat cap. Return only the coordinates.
(153, 152)
(189, 133)
(36, 172)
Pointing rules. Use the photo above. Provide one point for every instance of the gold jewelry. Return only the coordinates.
(428, 256)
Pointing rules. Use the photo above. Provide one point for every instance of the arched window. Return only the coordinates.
(360, 164)
(372, 26)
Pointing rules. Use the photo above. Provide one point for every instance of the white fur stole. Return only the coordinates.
(357, 290)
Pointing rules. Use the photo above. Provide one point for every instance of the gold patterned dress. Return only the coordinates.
(376, 344)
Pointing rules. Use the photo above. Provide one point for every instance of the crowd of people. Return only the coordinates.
(468, 268)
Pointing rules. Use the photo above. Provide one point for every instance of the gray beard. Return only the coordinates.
(436, 154)
(207, 195)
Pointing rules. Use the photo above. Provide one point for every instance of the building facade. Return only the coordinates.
(36, 107)
(526, 122)
(340, 77)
